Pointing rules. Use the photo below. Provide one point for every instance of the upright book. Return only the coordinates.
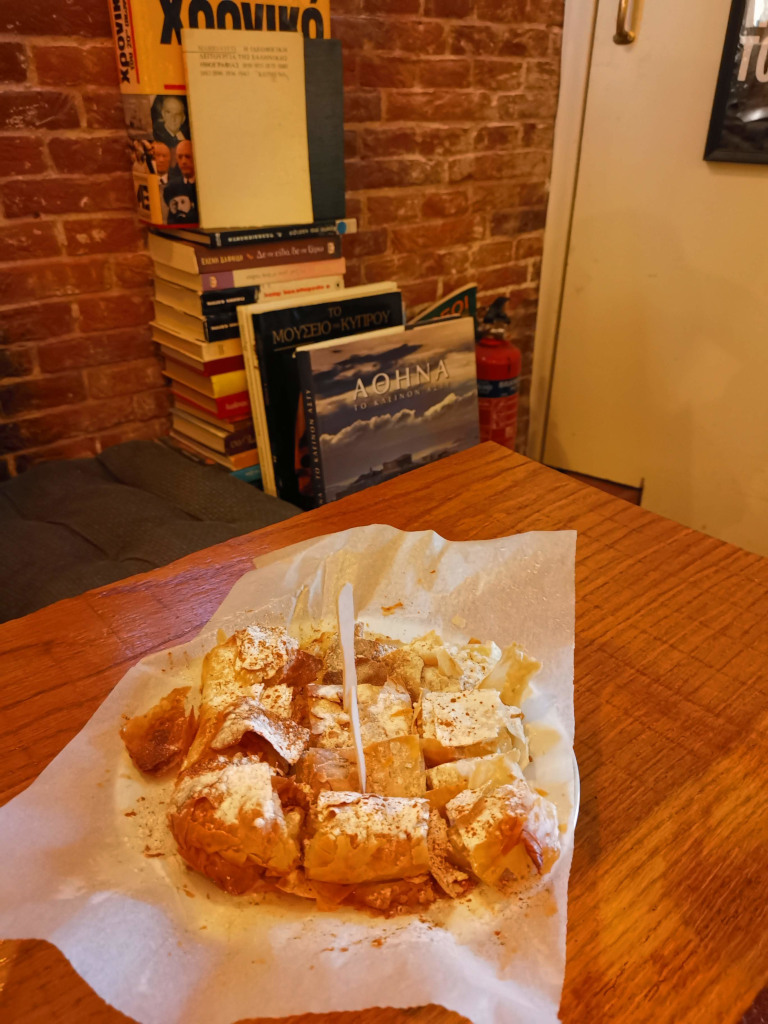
(147, 37)
(268, 123)
(377, 406)
(270, 334)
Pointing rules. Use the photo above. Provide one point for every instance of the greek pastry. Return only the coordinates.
(268, 795)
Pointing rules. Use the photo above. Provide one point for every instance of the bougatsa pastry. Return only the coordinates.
(360, 837)
(268, 796)
(160, 738)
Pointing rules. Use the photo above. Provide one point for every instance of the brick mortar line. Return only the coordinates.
(58, 409)
(83, 371)
(35, 262)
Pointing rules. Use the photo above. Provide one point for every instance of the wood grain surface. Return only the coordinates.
(667, 919)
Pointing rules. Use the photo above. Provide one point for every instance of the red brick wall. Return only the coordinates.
(78, 370)
(449, 107)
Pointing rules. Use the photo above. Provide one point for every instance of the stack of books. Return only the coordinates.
(242, 130)
(277, 371)
(201, 278)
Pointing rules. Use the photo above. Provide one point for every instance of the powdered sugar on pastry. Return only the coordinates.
(265, 649)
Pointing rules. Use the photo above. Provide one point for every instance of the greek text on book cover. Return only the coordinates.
(381, 404)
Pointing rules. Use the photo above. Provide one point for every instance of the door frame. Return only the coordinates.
(578, 40)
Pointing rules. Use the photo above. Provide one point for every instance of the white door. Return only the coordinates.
(660, 376)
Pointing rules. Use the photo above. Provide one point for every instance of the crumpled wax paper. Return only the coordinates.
(88, 863)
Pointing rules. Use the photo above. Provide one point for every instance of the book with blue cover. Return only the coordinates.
(380, 404)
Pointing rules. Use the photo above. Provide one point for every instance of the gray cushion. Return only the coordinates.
(74, 525)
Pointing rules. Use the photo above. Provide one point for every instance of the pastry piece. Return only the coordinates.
(264, 650)
(434, 680)
(467, 724)
(284, 735)
(366, 838)
(250, 660)
(369, 672)
(385, 712)
(160, 738)
(432, 652)
(253, 695)
(279, 700)
(230, 825)
(327, 895)
(321, 769)
(395, 767)
(474, 661)
(451, 880)
(328, 721)
(447, 780)
(404, 668)
(511, 830)
(369, 650)
(401, 896)
(512, 675)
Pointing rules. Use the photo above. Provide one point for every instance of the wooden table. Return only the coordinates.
(667, 918)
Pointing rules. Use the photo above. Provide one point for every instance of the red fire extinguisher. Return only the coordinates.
(498, 377)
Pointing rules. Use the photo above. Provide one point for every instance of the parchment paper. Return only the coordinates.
(88, 865)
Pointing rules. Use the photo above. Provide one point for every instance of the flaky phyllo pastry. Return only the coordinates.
(268, 794)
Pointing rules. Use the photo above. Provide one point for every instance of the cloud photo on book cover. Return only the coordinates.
(384, 405)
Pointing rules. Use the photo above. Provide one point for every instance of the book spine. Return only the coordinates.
(225, 239)
(251, 474)
(220, 330)
(125, 45)
(233, 406)
(271, 254)
(242, 441)
(230, 298)
(313, 436)
(150, 73)
(229, 279)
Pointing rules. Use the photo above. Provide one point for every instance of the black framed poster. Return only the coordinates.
(738, 128)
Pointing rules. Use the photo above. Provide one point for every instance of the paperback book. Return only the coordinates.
(244, 277)
(214, 303)
(219, 385)
(248, 236)
(148, 46)
(270, 334)
(201, 351)
(214, 327)
(208, 368)
(378, 405)
(217, 438)
(268, 121)
(232, 462)
(199, 259)
(226, 407)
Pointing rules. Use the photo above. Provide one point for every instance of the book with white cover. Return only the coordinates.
(266, 111)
